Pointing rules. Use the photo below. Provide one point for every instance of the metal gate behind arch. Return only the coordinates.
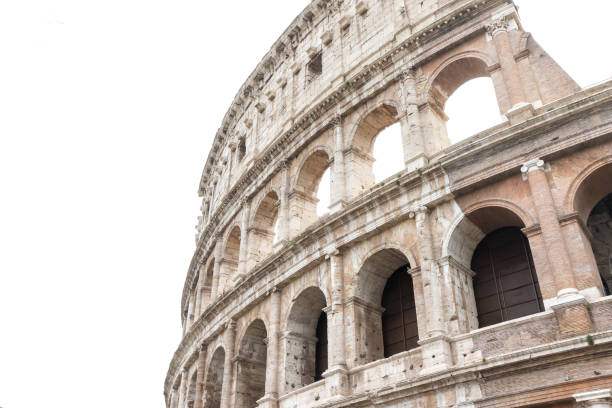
(505, 285)
(399, 322)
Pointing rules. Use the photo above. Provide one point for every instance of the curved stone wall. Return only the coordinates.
(267, 269)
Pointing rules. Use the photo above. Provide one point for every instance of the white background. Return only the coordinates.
(107, 112)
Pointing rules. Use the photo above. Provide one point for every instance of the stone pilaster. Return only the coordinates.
(217, 269)
(270, 399)
(498, 30)
(226, 389)
(594, 399)
(283, 215)
(415, 152)
(338, 179)
(435, 344)
(199, 396)
(570, 307)
(183, 389)
(336, 377)
(244, 241)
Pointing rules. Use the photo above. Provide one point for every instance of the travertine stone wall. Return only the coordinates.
(266, 266)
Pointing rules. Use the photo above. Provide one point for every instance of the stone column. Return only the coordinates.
(226, 390)
(336, 377)
(415, 155)
(498, 30)
(270, 399)
(244, 241)
(594, 399)
(200, 289)
(570, 306)
(436, 346)
(283, 216)
(191, 310)
(199, 397)
(183, 389)
(217, 268)
(230, 163)
(533, 171)
(338, 179)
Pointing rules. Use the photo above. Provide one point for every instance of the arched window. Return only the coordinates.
(399, 320)
(323, 193)
(251, 373)
(214, 380)
(321, 350)
(309, 188)
(593, 203)
(262, 235)
(600, 225)
(472, 108)
(376, 151)
(505, 285)
(231, 257)
(305, 343)
(385, 306)
(464, 92)
(206, 288)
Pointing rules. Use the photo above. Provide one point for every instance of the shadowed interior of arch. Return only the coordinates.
(214, 380)
(251, 361)
(593, 203)
(263, 233)
(231, 258)
(305, 344)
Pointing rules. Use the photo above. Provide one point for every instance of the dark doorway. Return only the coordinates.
(399, 321)
(505, 285)
(321, 349)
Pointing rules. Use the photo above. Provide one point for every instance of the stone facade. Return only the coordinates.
(267, 270)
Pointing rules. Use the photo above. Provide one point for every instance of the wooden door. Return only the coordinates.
(505, 285)
(399, 322)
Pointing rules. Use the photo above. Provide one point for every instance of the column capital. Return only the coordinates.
(419, 212)
(284, 163)
(594, 398)
(231, 324)
(407, 74)
(532, 165)
(497, 26)
(336, 120)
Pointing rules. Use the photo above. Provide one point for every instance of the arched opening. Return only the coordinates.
(399, 320)
(600, 225)
(206, 288)
(385, 297)
(388, 153)
(231, 257)
(191, 391)
(593, 202)
(473, 107)
(262, 235)
(214, 380)
(323, 193)
(310, 185)
(251, 360)
(376, 151)
(505, 284)
(305, 342)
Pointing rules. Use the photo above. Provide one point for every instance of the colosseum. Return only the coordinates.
(478, 275)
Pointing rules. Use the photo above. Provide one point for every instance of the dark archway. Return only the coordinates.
(399, 320)
(251, 373)
(321, 355)
(600, 226)
(214, 380)
(505, 285)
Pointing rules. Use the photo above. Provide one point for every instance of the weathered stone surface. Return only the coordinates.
(266, 267)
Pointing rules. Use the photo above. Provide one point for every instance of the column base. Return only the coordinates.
(520, 113)
(417, 162)
(436, 354)
(337, 381)
(337, 206)
(268, 401)
(572, 313)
